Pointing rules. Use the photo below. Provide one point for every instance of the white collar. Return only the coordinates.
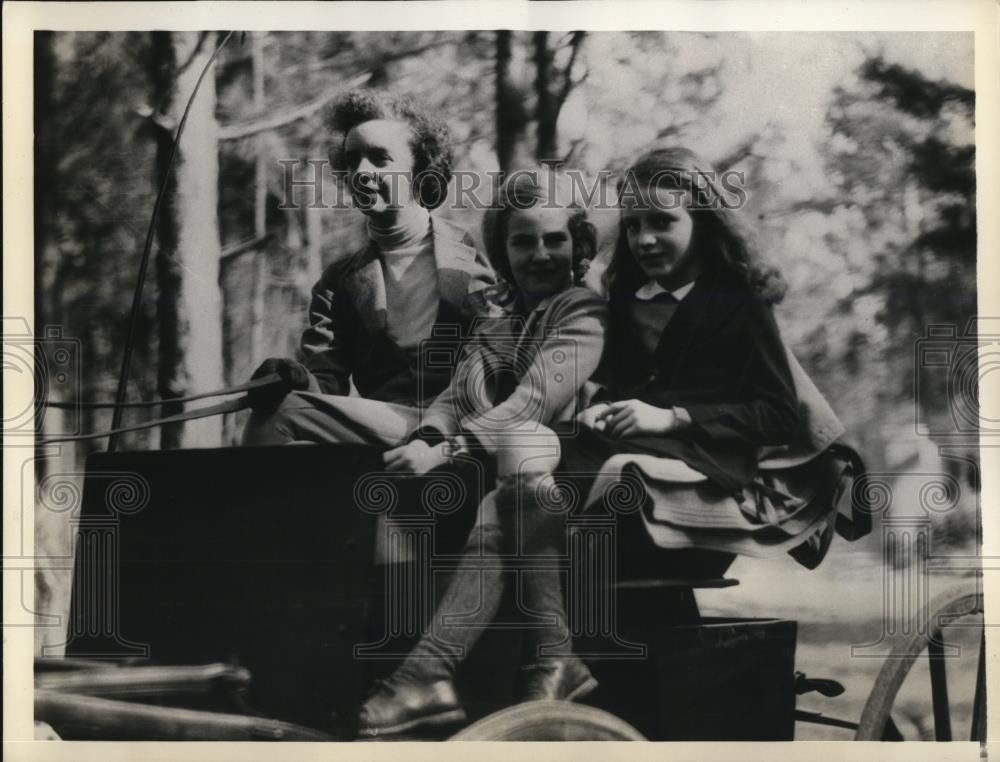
(652, 288)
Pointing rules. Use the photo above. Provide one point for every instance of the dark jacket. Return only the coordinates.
(347, 337)
(722, 359)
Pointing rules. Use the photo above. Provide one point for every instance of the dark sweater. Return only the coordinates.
(722, 359)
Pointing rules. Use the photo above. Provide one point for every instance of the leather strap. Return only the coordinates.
(271, 378)
(229, 406)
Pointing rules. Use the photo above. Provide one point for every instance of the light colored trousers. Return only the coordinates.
(326, 418)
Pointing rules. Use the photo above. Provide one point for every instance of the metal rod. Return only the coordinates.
(818, 719)
(270, 378)
(978, 730)
(229, 406)
(891, 731)
(939, 690)
(91, 717)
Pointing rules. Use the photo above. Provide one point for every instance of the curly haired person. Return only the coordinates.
(372, 312)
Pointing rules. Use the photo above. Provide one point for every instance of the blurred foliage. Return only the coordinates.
(97, 153)
(900, 159)
(908, 146)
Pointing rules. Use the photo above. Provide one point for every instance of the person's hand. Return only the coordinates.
(634, 418)
(294, 376)
(591, 417)
(416, 457)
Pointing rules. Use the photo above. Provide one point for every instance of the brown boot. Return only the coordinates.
(421, 692)
(556, 679)
(397, 705)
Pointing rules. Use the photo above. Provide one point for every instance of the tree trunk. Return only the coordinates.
(260, 204)
(189, 306)
(48, 309)
(546, 110)
(52, 530)
(45, 262)
(511, 118)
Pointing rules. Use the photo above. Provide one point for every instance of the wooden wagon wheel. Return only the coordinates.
(549, 721)
(876, 723)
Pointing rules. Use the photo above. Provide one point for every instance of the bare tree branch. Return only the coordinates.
(576, 149)
(822, 205)
(384, 58)
(202, 36)
(739, 152)
(672, 129)
(248, 129)
(241, 247)
(568, 83)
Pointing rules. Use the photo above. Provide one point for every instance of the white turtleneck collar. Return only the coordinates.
(412, 226)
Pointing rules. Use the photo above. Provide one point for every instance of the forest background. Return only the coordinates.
(858, 152)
